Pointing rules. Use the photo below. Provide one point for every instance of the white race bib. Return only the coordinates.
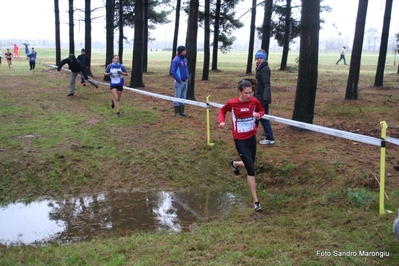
(115, 80)
(245, 124)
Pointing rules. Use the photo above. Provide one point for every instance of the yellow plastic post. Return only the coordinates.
(208, 124)
(384, 127)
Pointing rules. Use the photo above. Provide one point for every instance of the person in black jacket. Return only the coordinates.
(263, 93)
(76, 68)
(84, 59)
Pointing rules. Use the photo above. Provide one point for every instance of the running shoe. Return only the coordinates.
(235, 169)
(257, 207)
(266, 142)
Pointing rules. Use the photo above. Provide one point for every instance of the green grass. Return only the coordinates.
(282, 239)
(318, 192)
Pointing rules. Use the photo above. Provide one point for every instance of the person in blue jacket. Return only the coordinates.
(32, 60)
(181, 75)
(26, 49)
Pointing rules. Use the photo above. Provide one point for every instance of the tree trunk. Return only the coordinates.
(176, 32)
(207, 33)
(145, 44)
(121, 33)
(88, 33)
(354, 70)
(71, 28)
(137, 67)
(192, 46)
(266, 26)
(57, 33)
(379, 77)
(286, 47)
(109, 26)
(251, 39)
(216, 36)
(308, 62)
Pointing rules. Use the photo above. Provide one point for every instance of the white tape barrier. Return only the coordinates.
(392, 140)
(325, 130)
(169, 98)
(307, 126)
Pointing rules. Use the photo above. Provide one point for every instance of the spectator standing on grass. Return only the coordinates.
(76, 68)
(32, 60)
(116, 71)
(84, 59)
(342, 55)
(16, 50)
(26, 49)
(1, 55)
(181, 75)
(263, 93)
(8, 55)
(245, 110)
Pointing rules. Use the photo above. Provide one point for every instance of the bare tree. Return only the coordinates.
(120, 28)
(137, 67)
(145, 37)
(57, 33)
(176, 32)
(354, 70)
(251, 39)
(224, 23)
(216, 36)
(207, 33)
(155, 12)
(87, 19)
(286, 46)
(109, 26)
(308, 62)
(88, 33)
(192, 46)
(379, 77)
(284, 27)
(267, 17)
(71, 28)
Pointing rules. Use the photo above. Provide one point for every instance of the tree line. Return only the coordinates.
(219, 21)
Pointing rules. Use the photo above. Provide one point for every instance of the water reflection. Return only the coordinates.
(113, 213)
(166, 213)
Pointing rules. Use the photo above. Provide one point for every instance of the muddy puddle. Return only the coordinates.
(111, 214)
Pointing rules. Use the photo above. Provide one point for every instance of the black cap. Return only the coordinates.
(180, 49)
(72, 57)
(83, 50)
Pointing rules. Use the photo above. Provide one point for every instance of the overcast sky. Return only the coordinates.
(25, 21)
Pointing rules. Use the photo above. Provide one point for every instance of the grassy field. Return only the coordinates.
(319, 193)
